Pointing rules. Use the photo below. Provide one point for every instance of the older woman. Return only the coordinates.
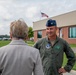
(17, 58)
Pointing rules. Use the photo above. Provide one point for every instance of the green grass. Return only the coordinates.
(73, 45)
(65, 61)
(31, 43)
(3, 43)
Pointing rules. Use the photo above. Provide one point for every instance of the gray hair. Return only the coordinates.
(19, 29)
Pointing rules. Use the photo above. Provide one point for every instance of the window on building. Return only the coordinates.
(72, 32)
(39, 34)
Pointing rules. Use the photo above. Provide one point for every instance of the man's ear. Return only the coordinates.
(56, 28)
(10, 35)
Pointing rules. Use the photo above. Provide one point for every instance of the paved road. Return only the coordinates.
(68, 74)
(74, 49)
(71, 73)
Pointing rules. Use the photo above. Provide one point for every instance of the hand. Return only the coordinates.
(62, 70)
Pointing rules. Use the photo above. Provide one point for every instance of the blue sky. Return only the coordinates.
(29, 10)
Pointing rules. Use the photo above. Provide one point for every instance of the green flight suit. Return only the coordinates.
(52, 56)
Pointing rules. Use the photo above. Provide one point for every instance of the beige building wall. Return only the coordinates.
(67, 19)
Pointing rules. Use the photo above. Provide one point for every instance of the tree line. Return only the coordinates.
(30, 34)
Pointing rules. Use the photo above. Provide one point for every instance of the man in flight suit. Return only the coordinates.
(52, 49)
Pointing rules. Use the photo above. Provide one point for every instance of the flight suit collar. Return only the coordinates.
(54, 51)
(57, 39)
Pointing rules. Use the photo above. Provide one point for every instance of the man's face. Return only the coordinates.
(51, 31)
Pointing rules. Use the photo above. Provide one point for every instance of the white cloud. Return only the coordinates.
(29, 10)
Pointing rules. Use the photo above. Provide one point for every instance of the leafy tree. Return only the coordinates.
(30, 32)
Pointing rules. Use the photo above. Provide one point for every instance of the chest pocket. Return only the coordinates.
(57, 49)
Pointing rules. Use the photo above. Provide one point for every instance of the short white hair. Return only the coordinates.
(19, 29)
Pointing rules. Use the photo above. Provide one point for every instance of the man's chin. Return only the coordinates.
(49, 35)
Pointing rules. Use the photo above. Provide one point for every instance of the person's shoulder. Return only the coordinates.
(62, 40)
(32, 50)
(41, 40)
(3, 47)
(3, 50)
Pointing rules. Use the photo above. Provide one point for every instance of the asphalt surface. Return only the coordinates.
(74, 49)
(71, 73)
